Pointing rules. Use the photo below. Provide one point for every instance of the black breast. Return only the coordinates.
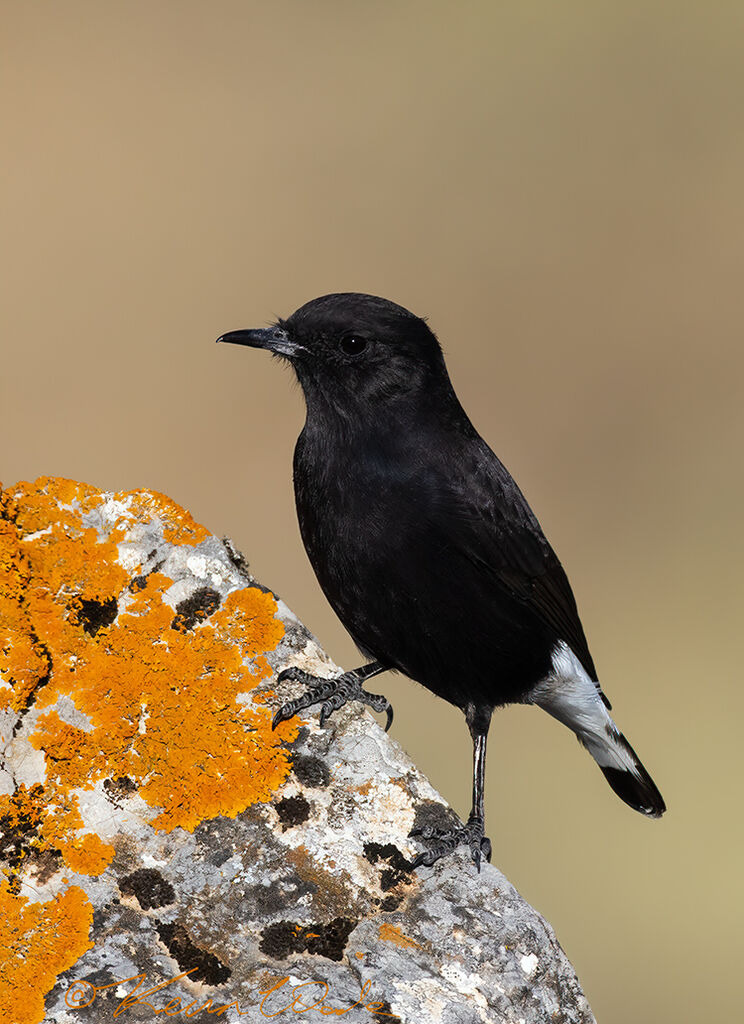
(403, 587)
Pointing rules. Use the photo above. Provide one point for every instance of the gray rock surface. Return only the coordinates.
(297, 901)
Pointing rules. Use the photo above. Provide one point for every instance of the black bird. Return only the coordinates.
(426, 548)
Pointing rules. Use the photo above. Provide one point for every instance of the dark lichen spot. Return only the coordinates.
(19, 826)
(47, 864)
(237, 558)
(431, 814)
(99, 920)
(283, 938)
(201, 964)
(119, 789)
(385, 1015)
(150, 888)
(219, 858)
(391, 903)
(199, 606)
(293, 810)
(100, 978)
(397, 869)
(138, 583)
(311, 771)
(302, 734)
(388, 879)
(94, 615)
(278, 896)
(220, 834)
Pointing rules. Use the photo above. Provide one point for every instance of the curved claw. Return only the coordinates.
(282, 715)
(389, 712)
(418, 861)
(326, 711)
(476, 855)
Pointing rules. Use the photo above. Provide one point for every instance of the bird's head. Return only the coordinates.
(351, 347)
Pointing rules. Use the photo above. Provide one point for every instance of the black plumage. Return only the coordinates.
(425, 546)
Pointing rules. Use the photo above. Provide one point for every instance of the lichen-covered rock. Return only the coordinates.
(165, 852)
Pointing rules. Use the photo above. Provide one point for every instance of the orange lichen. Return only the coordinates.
(178, 526)
(392, 933)
(21, 657)
(160, 702)
(88, 855)
(153, 700)
(38, 940)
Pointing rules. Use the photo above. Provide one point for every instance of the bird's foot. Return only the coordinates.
(331, 694)
(446, 841)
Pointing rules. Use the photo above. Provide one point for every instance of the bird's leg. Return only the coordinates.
(332, 694)
(472, 833)
(479, 842)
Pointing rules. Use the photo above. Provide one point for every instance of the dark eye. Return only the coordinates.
(353, 345)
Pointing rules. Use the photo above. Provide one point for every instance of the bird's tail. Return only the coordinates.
(569, 695)
(622, 768)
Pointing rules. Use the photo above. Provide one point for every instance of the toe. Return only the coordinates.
(426, 832)
(291, 674)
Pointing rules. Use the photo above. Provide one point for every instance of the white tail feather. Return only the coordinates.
(569, 695)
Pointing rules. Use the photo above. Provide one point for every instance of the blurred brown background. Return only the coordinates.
(559, 188)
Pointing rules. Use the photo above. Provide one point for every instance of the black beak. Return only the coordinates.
(275, 339)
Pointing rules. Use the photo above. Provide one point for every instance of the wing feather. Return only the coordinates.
(497, 531)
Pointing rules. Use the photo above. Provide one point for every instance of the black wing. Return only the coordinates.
(496, 529)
